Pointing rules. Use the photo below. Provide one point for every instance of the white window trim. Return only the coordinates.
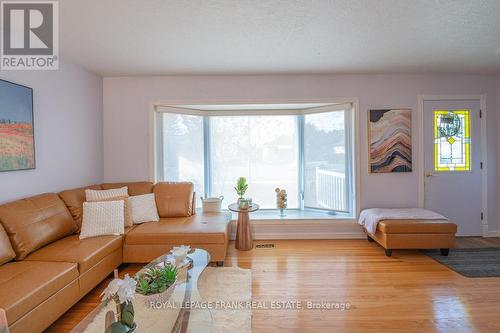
(174, 106)
(179, 109)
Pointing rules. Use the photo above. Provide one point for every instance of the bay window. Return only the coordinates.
(304, 149)
(261, 148)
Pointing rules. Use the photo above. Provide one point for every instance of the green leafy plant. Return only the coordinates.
(127, 314)
(168, 276)
(156, 280)
(241, 186)
(142, 285)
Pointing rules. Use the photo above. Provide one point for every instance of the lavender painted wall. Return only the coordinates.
(127, 103)
(497, 142)
(68, 132)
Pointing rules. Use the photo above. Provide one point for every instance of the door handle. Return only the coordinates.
(430, 174)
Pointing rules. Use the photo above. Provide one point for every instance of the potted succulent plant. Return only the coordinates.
(156, 283)
(122, 292)
(241, 188)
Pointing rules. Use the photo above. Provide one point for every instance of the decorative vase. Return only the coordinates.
(281, 200)
(119, 327)
(125, 319)
(127, 315)
(180, 253)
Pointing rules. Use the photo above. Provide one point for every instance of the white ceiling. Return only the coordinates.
(155, 37)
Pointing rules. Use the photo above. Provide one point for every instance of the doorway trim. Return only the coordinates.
(484, 144)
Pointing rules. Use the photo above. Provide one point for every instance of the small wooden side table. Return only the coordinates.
(244, 241)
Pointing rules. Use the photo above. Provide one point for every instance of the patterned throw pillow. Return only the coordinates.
(113, 194)
(103, 218)
(100, 195)
(143, 208)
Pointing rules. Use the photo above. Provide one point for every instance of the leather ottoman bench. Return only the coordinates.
(415, 234)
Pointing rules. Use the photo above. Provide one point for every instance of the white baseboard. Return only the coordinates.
(331, 230)
(493, 233)
(309, 235)
(313, 230)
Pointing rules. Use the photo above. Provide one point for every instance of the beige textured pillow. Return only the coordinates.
(103, 218)
(126, 208)
(143, 208)
(100, 195)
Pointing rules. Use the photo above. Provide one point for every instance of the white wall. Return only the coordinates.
(497, 202)
(68, 132)
(127, 103)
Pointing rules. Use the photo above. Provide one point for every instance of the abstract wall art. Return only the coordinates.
(389, 135)
(17, 145)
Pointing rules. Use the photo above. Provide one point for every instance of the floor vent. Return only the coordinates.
(264, 246)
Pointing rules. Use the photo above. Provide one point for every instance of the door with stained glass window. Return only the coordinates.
(452, 154)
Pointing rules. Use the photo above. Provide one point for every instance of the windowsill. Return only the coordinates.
(296, 216)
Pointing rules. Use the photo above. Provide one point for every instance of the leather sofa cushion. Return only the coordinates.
(134, 188)
(206, 228)
(34, 222)
(84, 252)
(417, 227)
(26, 284)
(74, 199)
(174, 199)
(6, 251)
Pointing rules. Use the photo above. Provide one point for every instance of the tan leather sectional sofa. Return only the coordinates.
(45, 268)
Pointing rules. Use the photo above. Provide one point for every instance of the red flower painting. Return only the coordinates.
(17, 148)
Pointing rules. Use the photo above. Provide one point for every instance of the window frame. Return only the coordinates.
(249, 109)
(466, 141)
(349, 161)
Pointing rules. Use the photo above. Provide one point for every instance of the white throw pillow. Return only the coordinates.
(98, 195)
(143, 208)
(103, 218)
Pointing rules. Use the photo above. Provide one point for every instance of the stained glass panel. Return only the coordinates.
(452, 140)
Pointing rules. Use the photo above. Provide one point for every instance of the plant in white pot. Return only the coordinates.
(241, 188)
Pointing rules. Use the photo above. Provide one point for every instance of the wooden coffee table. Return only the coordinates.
(244, 239)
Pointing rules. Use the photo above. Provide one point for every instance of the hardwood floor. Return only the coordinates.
(408, 292)
(470, 242)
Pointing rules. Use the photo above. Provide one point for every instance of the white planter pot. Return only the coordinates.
(212, 204)
(154, 298)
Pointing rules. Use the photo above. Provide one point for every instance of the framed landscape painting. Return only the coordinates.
(17, 142)
(389, 135)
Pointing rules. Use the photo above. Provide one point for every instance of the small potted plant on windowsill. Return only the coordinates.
(241, 188)
(281, 200)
